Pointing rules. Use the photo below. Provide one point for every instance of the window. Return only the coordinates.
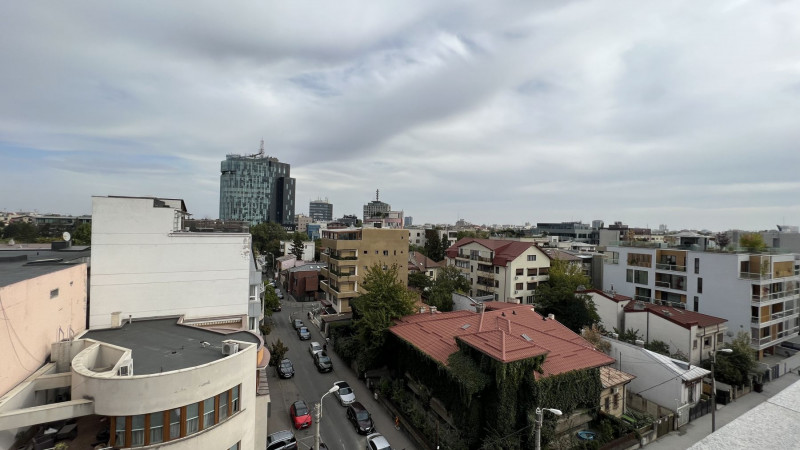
(137, 430)
(636, 276)
(640, 259)
(532, 271)
(236, 446)
(707, 341)
(697, 265)
(386, 253)
(119, 432)
(208, 412)
(530, 286)
(616, 401)
(696, 303)
(531, 257)
(497, 270)
(54, 293)
(223, 406)
(694, 344)
(192, 418)
(156, 428)
(365, 252)
(518, 286)
(700, 285)
(175, 423)
(720, 338)
(608, 403)
(528, 299)
(520, 271)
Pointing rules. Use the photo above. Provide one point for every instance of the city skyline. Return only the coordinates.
(499, 113)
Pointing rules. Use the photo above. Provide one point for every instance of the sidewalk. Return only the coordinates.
(696, 430)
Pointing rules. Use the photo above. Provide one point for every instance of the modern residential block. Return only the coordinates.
(350, 252)
(320, 210)
(756, 292)
(508, 270)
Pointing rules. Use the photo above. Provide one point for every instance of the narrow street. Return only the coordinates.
(309, 385)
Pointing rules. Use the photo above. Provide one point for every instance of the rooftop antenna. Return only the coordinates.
(377, 195)
(261, 149)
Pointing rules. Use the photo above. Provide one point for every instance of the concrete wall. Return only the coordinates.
(122, 396)
(611, 312)
(142, 267)
(33, 320)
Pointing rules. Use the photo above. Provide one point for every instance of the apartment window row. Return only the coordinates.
(163, 426)
(636, 276)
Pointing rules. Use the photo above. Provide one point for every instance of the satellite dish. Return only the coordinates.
(66, 236)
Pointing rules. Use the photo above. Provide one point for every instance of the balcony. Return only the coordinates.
(343, 256)
(474, 257)
(643, 298)
(770, 320)
(672, 267)
(678, 285)
(772, 340)
(775, 296)
(334, 290)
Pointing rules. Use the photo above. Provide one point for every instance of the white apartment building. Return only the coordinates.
(160, 383)
(508, 270)
(756, 292)
(308, 249)
(145, 264)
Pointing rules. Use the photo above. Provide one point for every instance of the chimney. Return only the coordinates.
(433, 310)
(551, 316)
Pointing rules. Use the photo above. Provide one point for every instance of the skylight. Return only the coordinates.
(465, 326)
(527, 338)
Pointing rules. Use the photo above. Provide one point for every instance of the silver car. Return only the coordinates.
(376, 441)
(345, 393)
(314, 348)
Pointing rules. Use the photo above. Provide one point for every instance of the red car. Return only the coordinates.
(301, 418)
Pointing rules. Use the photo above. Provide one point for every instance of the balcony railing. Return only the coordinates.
(780, 335)
(643, 298)
(673, 267)
(474, 257)
(678, 286)
(776, 295)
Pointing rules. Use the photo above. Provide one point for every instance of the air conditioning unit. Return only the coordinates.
(615, 390)
(125, 370)
(516, 278)
(229, 348)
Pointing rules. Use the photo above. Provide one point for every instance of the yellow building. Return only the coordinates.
(350, 252)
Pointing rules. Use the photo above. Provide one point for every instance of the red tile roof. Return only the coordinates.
(505, 251)
(422, 262)
(682, 317)
(499, 334)
(611, 296)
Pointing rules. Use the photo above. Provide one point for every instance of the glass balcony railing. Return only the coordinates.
(776, 295)
(673, 267)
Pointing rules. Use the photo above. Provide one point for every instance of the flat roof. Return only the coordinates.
(20, 264)
(164, 345)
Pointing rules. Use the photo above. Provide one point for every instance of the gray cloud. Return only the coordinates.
(504, 112)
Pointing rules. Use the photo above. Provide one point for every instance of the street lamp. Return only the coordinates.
(539, 414)
(714, 386)
(319, 414)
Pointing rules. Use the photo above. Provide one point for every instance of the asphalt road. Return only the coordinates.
(309, 385)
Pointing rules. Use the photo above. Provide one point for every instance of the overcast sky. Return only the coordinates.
(682, 113)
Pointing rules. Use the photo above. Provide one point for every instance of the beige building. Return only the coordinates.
(508, 270)
(612, 397)
(302, 222)
(350, 252)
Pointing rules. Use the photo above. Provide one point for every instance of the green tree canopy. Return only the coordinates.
(557, 296)
(419, 280)
(386, 299)
(448, 280)
(753, 242)
(271, 300)
(297, 245)
(276, 352)
(21, 232)
(734, 368)
(82, 234)
(434, 249)
(267, 237)
(472, 234)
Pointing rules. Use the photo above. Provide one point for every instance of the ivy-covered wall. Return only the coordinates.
(492, 403)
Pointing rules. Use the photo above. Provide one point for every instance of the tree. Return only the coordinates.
(472, 234)
(753, 242)
(557, 296)
(386, 299)
(82, 234)
(267, 237)
(594, 335)
(297, 245)
(734, 368)
(276, 352)
(630, 335)
(21, 232)
(419, 280)
(433, 245)
(448, 280)
(722, 239)
(271, 300)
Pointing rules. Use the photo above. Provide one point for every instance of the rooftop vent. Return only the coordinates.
(465, 326)
(527, 338)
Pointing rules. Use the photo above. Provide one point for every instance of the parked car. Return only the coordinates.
(323, 362)
(376, 441)
(279, 293)
(345, 394)
(282, 440)
(358, 415)
(277, 308)
(297, 323)
(272, 283)
(314, 348)
(303, 333)
(285, 368)
(301, 418)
